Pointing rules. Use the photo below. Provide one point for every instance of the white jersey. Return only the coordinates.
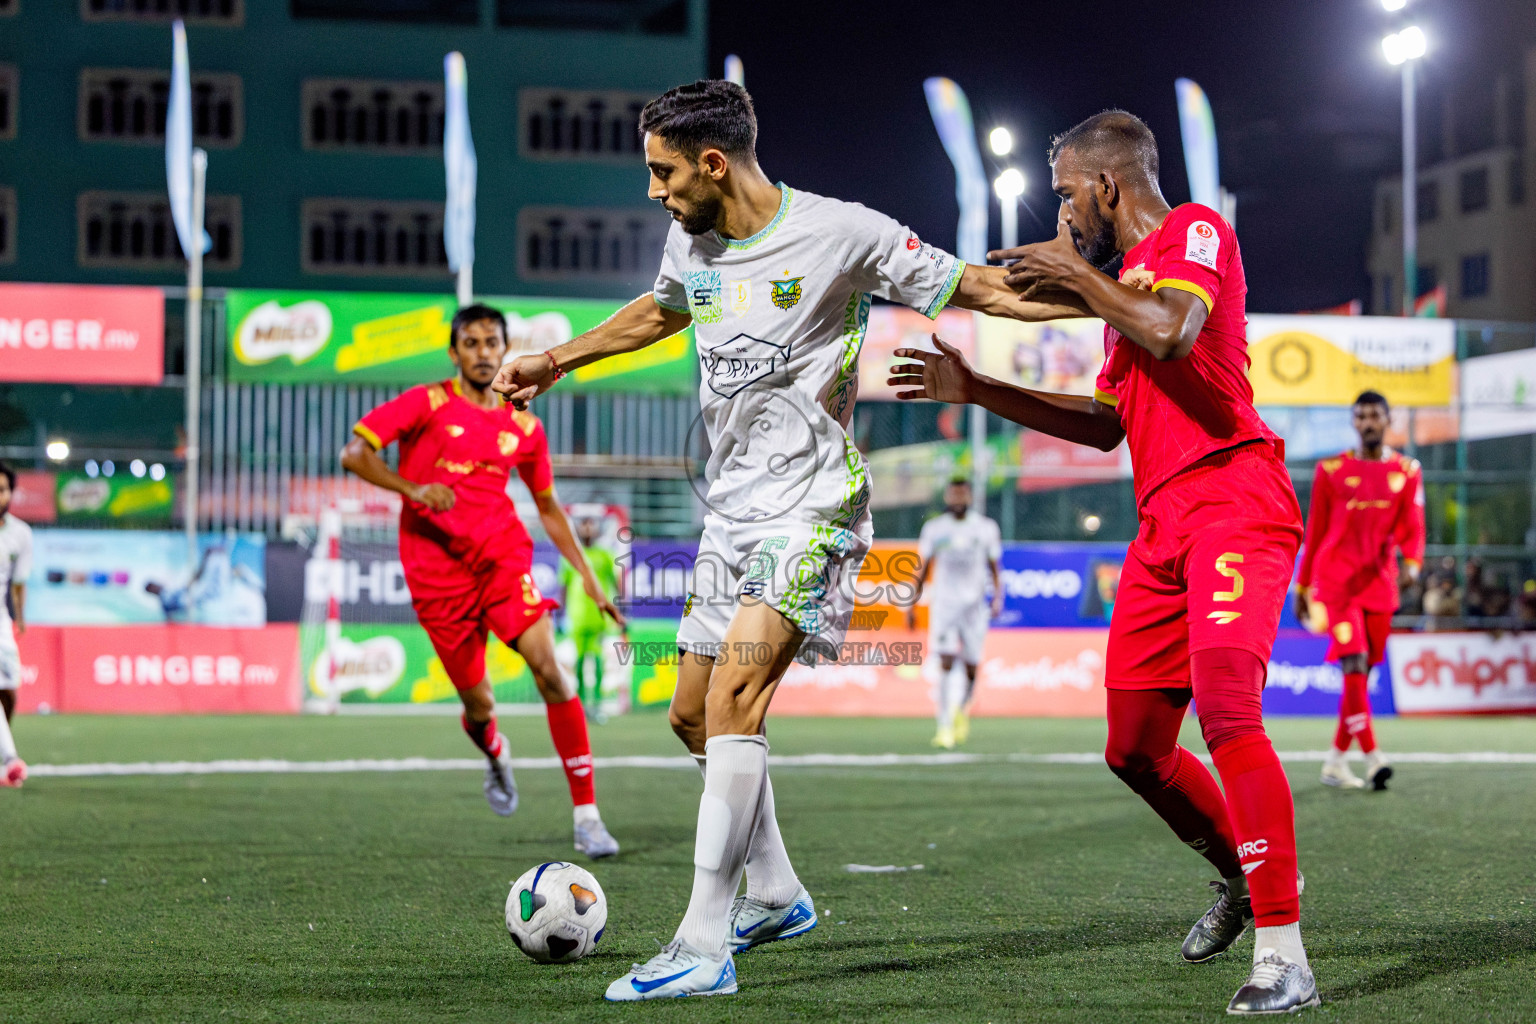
(962, 551)
(779, 319)
(15, 564)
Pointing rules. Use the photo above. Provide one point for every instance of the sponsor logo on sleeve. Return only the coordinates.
(704, 290)
(1201, 244)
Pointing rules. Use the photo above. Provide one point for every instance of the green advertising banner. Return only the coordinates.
(300, 337)
(376, 663)
(123, 496)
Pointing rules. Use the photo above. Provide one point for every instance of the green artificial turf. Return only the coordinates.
(1048, 892)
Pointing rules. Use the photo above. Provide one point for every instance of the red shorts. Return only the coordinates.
(502, 600)
(1352, 629)
(1210, 567)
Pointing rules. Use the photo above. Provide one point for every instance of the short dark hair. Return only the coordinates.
(474, 314)
(708, 114)
(959, 480)
(9, 474)
(1116, 137)
(1373, 398)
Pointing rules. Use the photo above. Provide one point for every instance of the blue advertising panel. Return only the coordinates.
(1059, 585)
(1302, 683)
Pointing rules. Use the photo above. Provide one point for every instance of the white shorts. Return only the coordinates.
(10, 659)
(958, 629)
(805, 570)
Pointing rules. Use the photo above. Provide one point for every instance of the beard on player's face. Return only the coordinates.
(697, 214)
(1094, 237)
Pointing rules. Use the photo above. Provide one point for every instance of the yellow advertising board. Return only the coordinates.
(1329, 360)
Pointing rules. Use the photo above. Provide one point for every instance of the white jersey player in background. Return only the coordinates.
(15, 566)
(959, 550)
(777, 284)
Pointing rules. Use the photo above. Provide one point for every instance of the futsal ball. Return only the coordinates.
(556, 913)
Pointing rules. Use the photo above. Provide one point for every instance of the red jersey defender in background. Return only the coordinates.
(1367, 505)
(468, 560)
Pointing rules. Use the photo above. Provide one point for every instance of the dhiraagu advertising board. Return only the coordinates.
(304, 337)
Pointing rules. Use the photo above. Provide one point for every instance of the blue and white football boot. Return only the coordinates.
(678, 970)
(754, 923)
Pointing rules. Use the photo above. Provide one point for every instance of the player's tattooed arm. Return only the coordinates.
(985, 290)
(558, 525)
(945, 376)
(1165, 322)
(359, 457)
(638, 324)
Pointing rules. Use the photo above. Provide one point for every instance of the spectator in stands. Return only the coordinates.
(1527, 604)
(1442, 598)
(1474, 596)
(1496, 599)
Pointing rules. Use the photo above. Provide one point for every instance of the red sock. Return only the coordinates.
(1355, 714)
(1143, 751)
(568, 728)
(1259, 800)
(483, 735)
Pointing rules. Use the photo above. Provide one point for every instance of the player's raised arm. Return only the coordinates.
(986, 290)
(380, 428)
(642, 322)
(945, 376)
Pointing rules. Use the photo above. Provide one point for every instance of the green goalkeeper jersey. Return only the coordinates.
(582, 615)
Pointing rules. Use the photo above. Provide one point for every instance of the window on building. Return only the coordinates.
(1428, 201)
(1475, 280)
(1426, 279)
(373, 237)
(588, 243)
(442, 12)
(376, 115)
(9, 80)
(1516, 181)
(214, 12)
(134, 231)
(1388, 212)
(651, 17)
(574, 124)
(7, 225)
(1474, 189)
(127, 105)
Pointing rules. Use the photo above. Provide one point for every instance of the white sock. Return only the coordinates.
(1337, 756)
(733, 793)
(954, 690)
(938, 682)
(702, 760)
(586, 814)
(7, 742)
(1284, 939)
(771, 879)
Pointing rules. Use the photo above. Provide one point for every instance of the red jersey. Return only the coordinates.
(1361, 511)
(1178, 411)
(445, 439)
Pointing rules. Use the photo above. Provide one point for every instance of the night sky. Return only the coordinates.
(1307, 110)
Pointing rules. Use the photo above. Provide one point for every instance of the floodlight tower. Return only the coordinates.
(1403, 48)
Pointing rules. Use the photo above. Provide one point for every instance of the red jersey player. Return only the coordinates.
(467, 557)
(1367, 504)
(1206, 577)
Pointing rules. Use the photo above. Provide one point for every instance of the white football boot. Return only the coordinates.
(1277, 985)
(754, 923)
(678, 970)
(500, 786)
(1336, 773)
(592, 839)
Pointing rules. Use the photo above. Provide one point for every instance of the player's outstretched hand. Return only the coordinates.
(525, 377)
(1042, 268)
(942, 376)
(1303, 613)
(437, 497)
(599, 598)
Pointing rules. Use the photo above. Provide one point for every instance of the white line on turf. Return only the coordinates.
(423, 764)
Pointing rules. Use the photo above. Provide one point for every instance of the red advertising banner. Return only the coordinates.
(33, 501)
(41, 650)
(81, 334)
(179, 670)
(1043, 672)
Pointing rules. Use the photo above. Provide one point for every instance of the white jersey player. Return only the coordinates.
(15, 566)
(959, 551)
(777, 284)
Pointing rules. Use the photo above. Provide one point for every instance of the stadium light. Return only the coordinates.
(1393, 5)
(157, 472)
(1409, 44)
(137, 467)
(1091, 523)
(1001, 141)
(58, 451)
(107, 468)
(91, 469)
(1009, 185)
